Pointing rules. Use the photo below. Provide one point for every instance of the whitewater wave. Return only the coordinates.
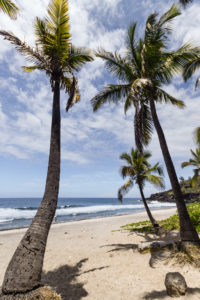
(10, 214)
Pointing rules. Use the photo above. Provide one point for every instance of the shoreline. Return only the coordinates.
(94, 218)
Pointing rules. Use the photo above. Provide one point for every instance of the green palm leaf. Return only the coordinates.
(8, 7)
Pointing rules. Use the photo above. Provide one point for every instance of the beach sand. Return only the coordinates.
(93, 260)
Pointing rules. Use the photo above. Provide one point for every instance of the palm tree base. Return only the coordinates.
(41, 293)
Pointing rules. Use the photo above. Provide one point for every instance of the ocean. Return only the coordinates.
(18, 212)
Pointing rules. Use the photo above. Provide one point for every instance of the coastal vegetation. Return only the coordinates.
(142, 72)
(59, 59)
(169, 224)
(9, 7)
(139, 170)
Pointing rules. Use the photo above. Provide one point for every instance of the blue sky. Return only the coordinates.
(91, 142)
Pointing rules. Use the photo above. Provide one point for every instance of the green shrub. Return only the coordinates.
(172, 223)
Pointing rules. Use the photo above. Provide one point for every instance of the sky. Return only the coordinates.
(91, 142)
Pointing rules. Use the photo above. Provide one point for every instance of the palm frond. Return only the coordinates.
(197, 135)
(73, 93)
(163, 96)
(117, 65)
(10, 8)
(132, 46)
(191, 67)
(124, 189)
(78, 57)
(31, 54)
(110, 94)
(157, 181)
(125, 156)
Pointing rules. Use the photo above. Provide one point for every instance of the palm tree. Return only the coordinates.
(146, 66)
(54, 55)
(8, 7)
(195, 161)
(139, 170)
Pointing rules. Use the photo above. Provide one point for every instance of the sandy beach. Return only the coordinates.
(92, 259)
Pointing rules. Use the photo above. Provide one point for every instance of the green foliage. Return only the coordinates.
(172, 223)
(139, 170)
(143, 226)
(8, 7)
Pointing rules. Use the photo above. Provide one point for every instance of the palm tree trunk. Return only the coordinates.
(24, 270)
(151, 218)
(187, 231)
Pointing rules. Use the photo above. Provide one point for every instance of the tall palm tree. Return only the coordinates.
(10, 8)
(54, 55)
(195, 162)
(140, 171)
(146, 66)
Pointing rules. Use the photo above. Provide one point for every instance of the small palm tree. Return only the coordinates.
(140, 171)
(142, 72)
(195, 160)
(8, 7)
(59, 59)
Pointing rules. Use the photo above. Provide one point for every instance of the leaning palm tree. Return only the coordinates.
(8, 7)
(140, 171)
(54, 55)
(194, 162)
(146, 66)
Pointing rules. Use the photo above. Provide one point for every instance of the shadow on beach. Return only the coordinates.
(63, 281)
(163, 294)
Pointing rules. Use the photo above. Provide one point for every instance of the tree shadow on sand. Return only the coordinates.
(162, 255)
(64, 280)
(163, 294)
(121, 247)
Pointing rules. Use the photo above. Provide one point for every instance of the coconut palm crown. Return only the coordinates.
(141, 74)
(139, 170)
(60, 60)
(10, 8)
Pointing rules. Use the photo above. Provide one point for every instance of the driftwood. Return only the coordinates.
(159, 244)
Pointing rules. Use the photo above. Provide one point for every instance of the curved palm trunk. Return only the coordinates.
(24, 270)
(187, 231)
(151, 218)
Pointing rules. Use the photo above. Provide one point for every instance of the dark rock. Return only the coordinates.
(175, 284)
(169, 197)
